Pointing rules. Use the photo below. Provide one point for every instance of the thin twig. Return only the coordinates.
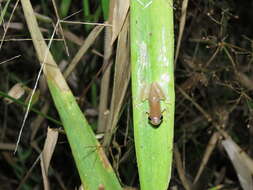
(8, 60)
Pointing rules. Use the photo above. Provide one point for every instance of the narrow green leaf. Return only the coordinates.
(105, 8)
(87, 14)
(93, 166)
(64, 7)
(152, 45)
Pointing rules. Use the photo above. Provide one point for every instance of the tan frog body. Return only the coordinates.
(154, 95)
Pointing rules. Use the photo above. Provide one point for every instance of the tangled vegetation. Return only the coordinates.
(91, 47)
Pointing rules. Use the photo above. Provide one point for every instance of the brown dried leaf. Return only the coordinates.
(17, 91)
(121, 80)
(49, 146)
(119, 17)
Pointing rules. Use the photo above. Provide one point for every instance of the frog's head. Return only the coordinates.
(155, 120)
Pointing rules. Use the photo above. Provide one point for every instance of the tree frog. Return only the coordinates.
(154, 95)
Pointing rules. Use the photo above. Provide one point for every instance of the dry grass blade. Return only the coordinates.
(7, 146)
(242, 163)
(121, 80)
(180, 169)
(181, 28)
(73, 38)
(49, 146)
(119, 17)
(87, 44)
(85, 23)
(28, 39)
(210, 147)
(104, 93)
(222, 114)
(105, 81)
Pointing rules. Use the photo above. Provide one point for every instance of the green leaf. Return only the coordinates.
(105, 8)
(64, 7)
(94, 169)
(152, 49)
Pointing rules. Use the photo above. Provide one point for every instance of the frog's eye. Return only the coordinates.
(161, 118)
(149, 118)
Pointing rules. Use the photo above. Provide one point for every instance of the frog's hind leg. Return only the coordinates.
(155, 86)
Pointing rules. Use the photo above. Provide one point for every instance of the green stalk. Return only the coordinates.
(94, 169)
(152, 45)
